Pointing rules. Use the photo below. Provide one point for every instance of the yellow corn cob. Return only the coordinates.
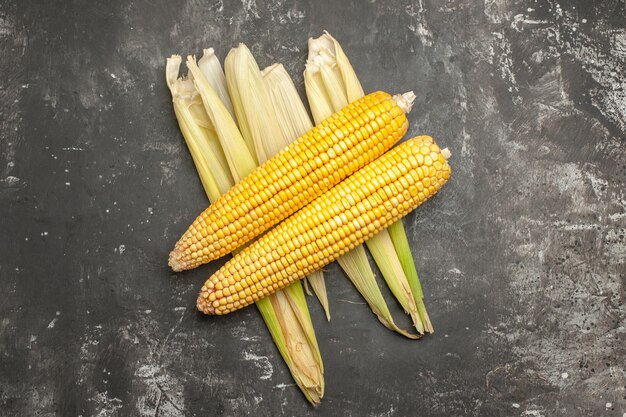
(337, 221)
(308, 167)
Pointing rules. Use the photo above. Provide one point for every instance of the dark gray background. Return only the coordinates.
(522, 254)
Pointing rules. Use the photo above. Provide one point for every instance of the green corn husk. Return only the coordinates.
(358, 269)
(285, 312)
(331, 84)
(380, 247)
(401, 243)
(294, 122)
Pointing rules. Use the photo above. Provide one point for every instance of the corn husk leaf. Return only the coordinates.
(329, 78)
(285, 312)
(282, 313)
(250, 97)
(240, 163)
(212, 70)
(331, 84)
(253, 105)
(380, 247)
(291, 114)
(401, 243)
(198, 132)
(358, 269)
(293, 121)
(351, 83)
(318, 283)
(324, 92)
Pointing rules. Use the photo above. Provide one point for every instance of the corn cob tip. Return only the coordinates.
(203, 304)
(405, 101)
(176, 261)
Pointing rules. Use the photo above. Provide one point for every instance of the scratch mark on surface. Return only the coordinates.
(262, 362)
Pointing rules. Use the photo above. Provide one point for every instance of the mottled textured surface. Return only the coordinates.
(522, 255)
